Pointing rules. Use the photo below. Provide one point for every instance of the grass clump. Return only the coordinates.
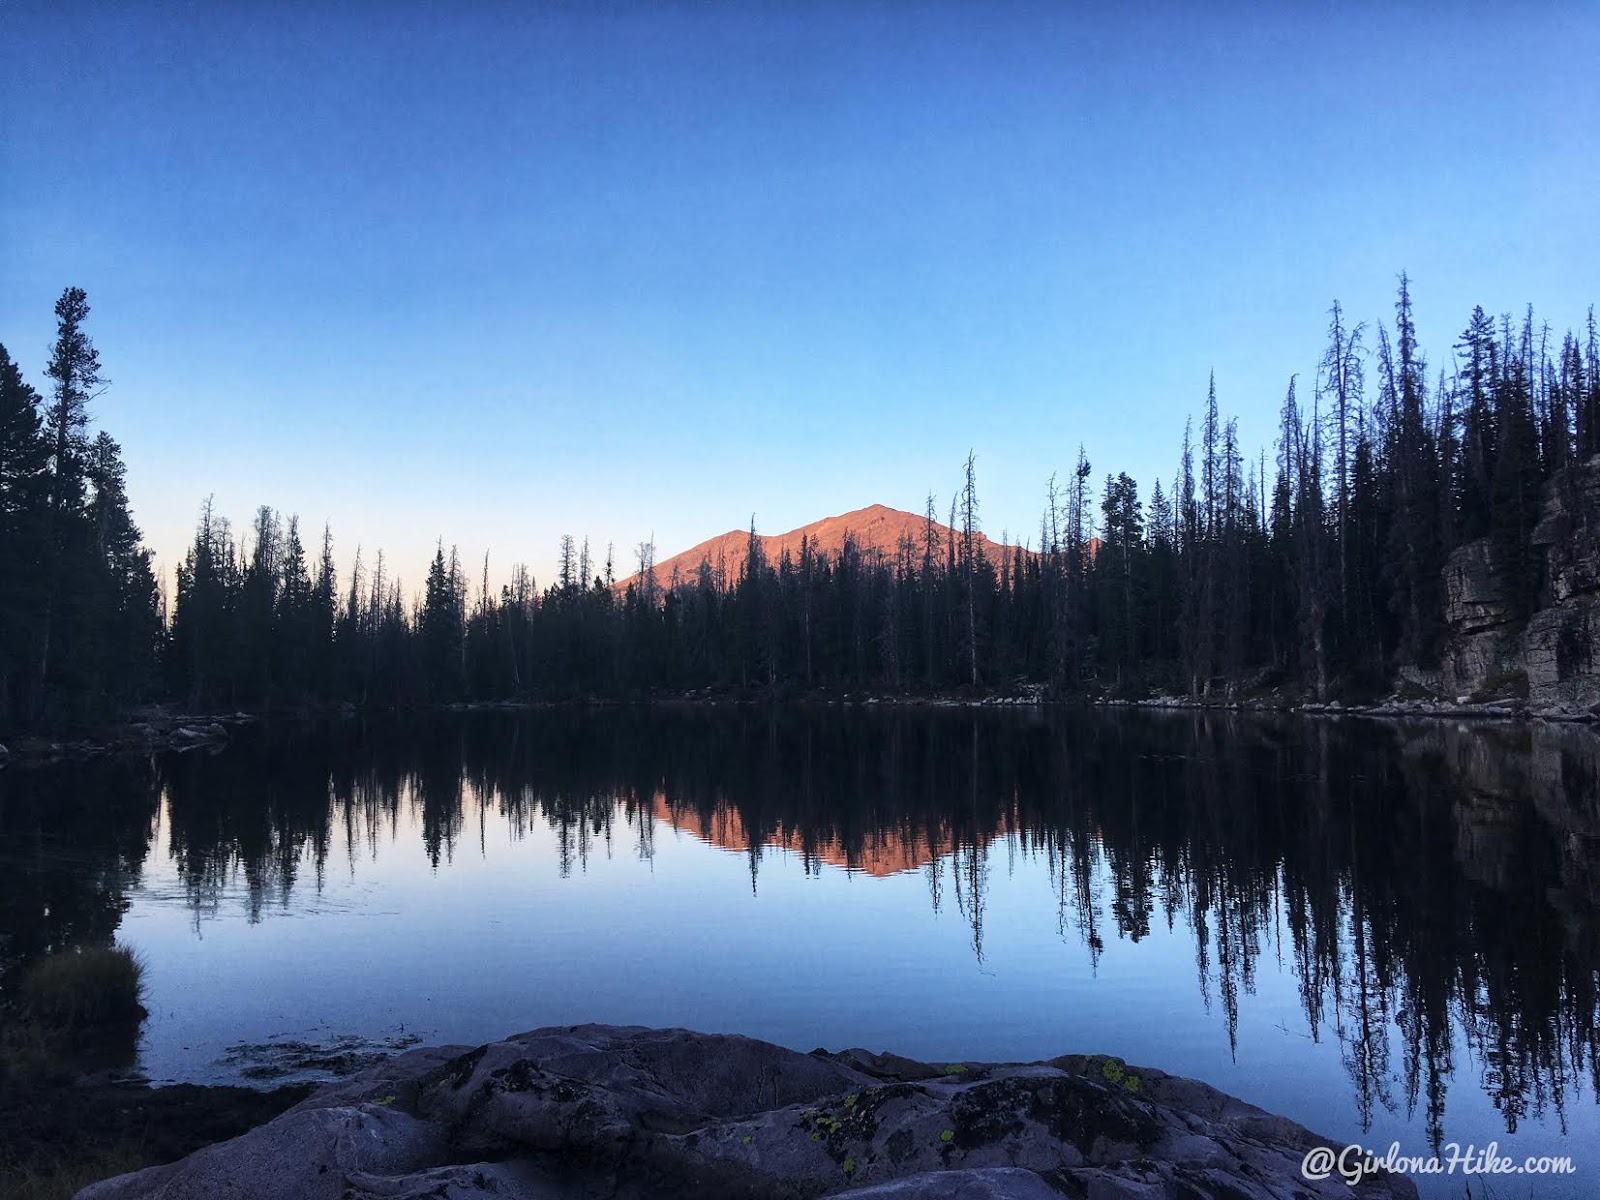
(63, 1177)
(83, 986)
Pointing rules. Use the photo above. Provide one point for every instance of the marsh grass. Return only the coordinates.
(64, 1176)
(82, 987)
(67, 1028)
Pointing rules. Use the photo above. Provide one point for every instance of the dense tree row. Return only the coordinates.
(1321, 568)
(80, 631)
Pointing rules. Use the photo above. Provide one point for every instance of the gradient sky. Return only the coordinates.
(494, 273)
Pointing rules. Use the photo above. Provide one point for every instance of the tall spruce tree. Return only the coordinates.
(24, 539)
(74, 370)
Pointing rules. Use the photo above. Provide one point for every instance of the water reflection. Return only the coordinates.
(72, 844)
(1433, 889)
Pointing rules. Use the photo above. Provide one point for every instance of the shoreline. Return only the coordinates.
(151, 733)
(66, 1133)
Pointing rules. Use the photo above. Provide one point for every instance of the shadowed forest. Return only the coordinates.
(1315, 565)
(1421, 882)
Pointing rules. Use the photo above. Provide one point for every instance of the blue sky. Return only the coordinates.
(494, 273)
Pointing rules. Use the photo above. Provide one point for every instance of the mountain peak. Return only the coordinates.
(875, 528)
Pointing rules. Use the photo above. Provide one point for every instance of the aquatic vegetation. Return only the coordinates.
(343, 1054)
(84, 986)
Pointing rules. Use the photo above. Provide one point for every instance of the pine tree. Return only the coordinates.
(296, 616)
(1342, 375)
(324, 621)
(1588, 423)
(74, 369)
(1195, 639)
(439, 628)
(119, 595)
(1514, 494)
(969, 565)
(1119, 578)
(1415, 554)
(24, 537)
(1479, 367)
(1163, 582)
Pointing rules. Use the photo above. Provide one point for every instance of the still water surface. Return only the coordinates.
(1386, 932)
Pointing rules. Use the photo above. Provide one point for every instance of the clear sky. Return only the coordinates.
(493, 273)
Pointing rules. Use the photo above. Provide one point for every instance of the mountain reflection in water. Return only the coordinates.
(1429, 889)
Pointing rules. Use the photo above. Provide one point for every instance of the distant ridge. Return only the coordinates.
(881, 855)
(874, 528)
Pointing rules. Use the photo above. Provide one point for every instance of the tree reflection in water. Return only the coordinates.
(1424, 879)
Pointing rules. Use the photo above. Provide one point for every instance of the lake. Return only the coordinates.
(1385, 931)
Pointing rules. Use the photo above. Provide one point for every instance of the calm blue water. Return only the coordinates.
(1385, 933)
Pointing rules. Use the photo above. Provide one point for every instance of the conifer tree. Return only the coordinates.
(74, 370)
(1514, 493)
(24, 537)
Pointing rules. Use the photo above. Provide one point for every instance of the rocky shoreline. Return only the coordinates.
(1494, 710)
(147, 734)
(162, 732)
(631, 1113)
(66, 1130)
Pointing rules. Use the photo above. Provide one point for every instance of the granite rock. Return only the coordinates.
(635, 1113)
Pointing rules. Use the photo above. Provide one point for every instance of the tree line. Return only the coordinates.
(1320, 568)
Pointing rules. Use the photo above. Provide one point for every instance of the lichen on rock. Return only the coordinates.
(635, 1113)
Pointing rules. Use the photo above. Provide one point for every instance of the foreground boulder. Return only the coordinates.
(634, 1113)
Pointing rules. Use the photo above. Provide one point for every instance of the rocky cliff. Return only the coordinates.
(1557, 651)
(1485, 640)
(1561, 646)
(631, 1113)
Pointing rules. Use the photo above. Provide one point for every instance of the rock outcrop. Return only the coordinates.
(1557, 651)
(1485, 638)
(157, 731)
(628, 1112)
(1562, 644)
